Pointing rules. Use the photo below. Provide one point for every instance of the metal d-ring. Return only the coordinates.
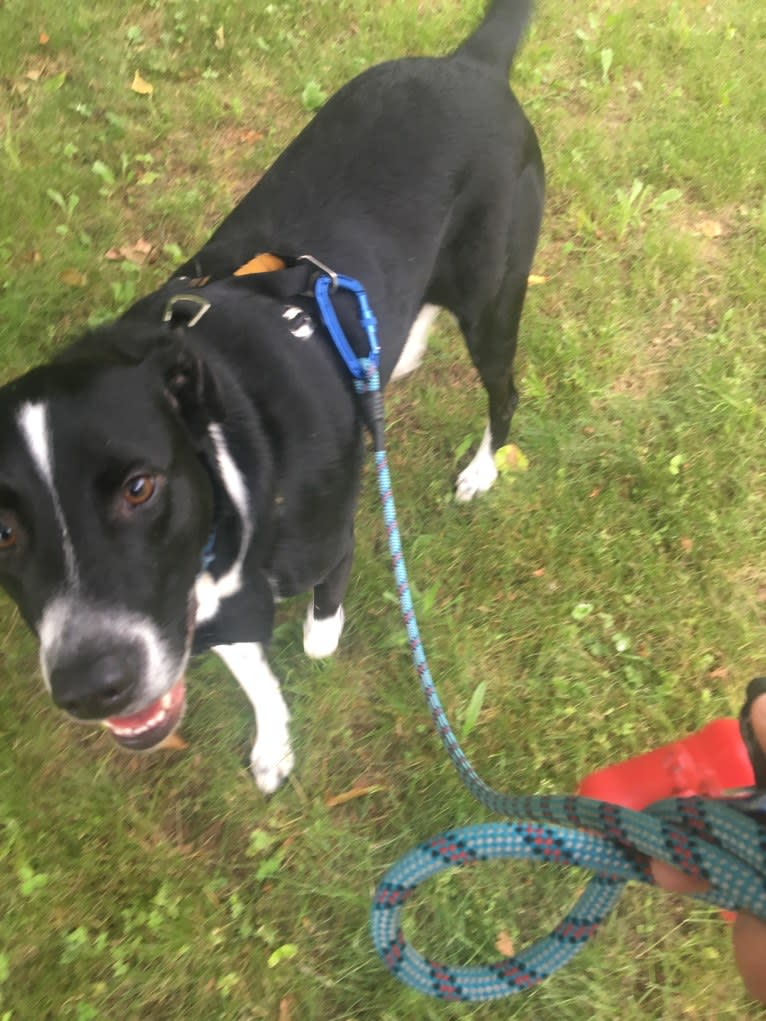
(321, 266)
(195, 299)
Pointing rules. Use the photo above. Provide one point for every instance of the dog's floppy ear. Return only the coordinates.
(190, 387)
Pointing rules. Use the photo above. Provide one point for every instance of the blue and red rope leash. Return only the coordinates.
(705, 838)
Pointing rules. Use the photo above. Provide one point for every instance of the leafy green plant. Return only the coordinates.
(313, 96)
(635, 204)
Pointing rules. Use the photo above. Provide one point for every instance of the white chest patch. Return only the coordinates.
(32, 421)
(417, 342)
(208, 591)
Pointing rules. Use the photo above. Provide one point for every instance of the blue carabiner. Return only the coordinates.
(323, 288)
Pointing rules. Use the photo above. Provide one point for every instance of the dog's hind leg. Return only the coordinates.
(492, 346)
(271, 759)
(325, 618)
(491, 330)
(480, 474)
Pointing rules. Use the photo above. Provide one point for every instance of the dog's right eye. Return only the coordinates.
(8, 536)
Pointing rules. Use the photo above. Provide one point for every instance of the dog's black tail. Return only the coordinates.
(497, 38)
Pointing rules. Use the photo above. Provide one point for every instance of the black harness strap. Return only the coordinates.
(190, 299)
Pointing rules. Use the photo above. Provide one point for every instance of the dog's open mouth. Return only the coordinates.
(152, 725)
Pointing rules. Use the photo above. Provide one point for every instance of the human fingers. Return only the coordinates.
(675, 881)
(750, 954)
(752, 725)
(758, 720)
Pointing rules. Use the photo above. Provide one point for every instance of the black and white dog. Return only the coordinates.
(173, 473)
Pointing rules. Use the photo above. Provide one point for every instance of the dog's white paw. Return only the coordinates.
(480, 474)
(321, 637)
(271, 762)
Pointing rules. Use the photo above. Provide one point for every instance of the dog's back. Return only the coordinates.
(418, 155)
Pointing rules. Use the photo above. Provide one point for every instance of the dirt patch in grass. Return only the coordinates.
(709, 229)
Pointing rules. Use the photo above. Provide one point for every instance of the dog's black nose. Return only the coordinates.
(95, 687)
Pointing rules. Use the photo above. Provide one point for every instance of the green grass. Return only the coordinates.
(166, 887)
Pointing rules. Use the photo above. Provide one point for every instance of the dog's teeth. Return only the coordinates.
(155, 721)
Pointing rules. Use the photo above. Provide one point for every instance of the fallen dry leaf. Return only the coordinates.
(142, 87)
(137, 253)
(504, 944)
(251, 136)
(286, 1008)
(510, 459)
(721, 673)
(35, 74)
(220, 38)
(687, 545)
(355, 792)
(173, 743)
(534, 279)
(539, 573)
(73, 278)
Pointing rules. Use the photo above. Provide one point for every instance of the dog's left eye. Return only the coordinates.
(139, 490)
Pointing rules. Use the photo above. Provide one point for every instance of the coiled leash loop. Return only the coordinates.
(712, 839)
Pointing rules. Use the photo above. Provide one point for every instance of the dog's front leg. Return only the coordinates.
(271, 759)
(325, 618)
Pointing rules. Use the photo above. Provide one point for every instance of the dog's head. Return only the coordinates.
(105, 506)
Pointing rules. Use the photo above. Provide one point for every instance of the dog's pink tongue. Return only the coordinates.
(168, 704)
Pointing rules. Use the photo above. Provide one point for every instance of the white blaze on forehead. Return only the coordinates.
(32, 421)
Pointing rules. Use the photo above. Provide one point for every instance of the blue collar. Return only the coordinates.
(208, 553)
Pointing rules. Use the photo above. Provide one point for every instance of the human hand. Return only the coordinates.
(749, 933)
